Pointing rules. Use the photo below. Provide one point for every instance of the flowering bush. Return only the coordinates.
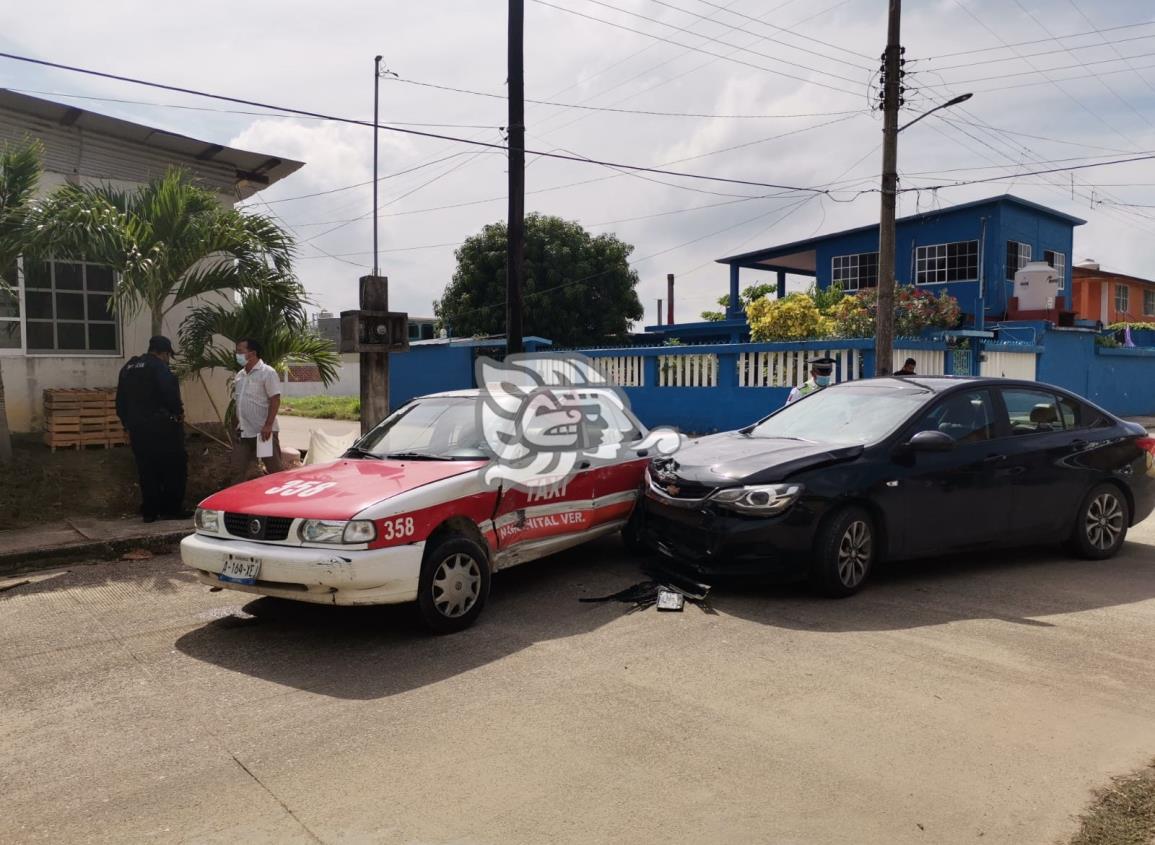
(914, 310)
(794, 318)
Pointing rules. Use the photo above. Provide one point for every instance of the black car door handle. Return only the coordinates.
(994, 459)
(1079, 444)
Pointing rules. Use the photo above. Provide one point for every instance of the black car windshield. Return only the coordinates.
(845, 415)
(443, 427)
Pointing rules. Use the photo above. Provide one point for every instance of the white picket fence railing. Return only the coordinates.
(789, 368)
(1022, 365)
(927, 362)
(622, 370)
(688, 370)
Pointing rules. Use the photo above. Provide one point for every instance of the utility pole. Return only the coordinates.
(376, 112)
(515, 252)
(891, 100)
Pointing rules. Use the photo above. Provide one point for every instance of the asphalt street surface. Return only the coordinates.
(952, 701)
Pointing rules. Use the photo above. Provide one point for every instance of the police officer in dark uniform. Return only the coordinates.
(148, 403)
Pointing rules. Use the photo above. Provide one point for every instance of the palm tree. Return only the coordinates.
(275, 314)
(170, 241)
(19, 176)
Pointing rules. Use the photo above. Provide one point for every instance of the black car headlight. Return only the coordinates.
(758, 499)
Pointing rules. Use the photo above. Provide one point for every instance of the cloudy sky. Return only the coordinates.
(780, 91)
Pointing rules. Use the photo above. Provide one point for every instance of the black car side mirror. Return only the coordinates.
(931, 441)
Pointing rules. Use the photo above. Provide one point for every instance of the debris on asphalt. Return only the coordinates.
(25, 580)
(670, 600)
(669, 591)
(137, 554)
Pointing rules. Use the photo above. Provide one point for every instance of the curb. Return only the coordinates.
(94, 551)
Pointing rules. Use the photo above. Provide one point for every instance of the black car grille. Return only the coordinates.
(677, 488)
(251, 527)
(692, 538)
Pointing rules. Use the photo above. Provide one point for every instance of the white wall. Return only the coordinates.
(348, 384)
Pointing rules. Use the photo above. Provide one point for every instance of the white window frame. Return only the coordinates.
(1060, 266)
(23, 351)
(924, 255)
(1023, 258)
(852, 270)
(1149, 302)
(1125, 290)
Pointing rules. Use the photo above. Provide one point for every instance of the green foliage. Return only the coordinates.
(323, 407)
(914, 310)
(1132, 325)
(276, 319)
(1107, 341)
(579, 289)
(826, 298)
(794, 318)
(170, 241)
(746, 296)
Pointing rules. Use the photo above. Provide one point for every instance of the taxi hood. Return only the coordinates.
(337, 490)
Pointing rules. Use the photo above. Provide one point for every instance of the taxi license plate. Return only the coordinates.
(240, 569)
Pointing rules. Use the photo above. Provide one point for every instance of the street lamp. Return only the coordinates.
(884, 331)
(961, 98)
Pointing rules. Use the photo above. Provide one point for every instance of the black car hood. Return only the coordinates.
(734, 458)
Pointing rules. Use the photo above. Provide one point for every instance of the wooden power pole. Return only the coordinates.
(892, 95)
(515, 252)
(374, 364)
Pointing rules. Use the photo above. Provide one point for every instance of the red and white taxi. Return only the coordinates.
(405, 516)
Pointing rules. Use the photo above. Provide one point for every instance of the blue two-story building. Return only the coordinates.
(971, 251)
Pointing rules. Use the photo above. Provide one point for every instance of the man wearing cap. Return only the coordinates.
(149, 405)
(821, 375)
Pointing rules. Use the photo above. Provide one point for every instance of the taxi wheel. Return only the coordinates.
(454, 585)
(844, 553)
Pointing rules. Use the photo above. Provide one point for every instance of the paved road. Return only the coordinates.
(952, 702)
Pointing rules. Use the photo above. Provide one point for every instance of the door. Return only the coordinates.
(597, 493)
(958, 499)
(1045, 456)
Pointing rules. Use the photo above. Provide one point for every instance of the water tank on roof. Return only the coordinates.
(1036, 286)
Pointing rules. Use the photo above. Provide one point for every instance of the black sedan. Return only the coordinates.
(897, 468)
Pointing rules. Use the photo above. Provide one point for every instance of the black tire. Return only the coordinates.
(1101, 524)
(844, 553)
(453, 586)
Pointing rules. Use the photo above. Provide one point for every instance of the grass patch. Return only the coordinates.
(322, 407)
(1122, 814)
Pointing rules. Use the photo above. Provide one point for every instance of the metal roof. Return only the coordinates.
(253, 171)
(807, 244)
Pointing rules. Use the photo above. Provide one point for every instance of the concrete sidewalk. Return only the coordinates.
(84, 539)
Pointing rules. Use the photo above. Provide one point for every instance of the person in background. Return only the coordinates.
(257, 395)
(149, 406)
(821, 375)
(908, 368)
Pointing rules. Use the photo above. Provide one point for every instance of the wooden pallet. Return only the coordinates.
(76, 418)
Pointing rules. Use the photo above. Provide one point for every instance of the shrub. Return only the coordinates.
(914, 310)
(794, 318)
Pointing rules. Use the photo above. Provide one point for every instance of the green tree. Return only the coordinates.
(274, 314)
(746, 297)
(579, 289)
(170, 241)
(19, 176)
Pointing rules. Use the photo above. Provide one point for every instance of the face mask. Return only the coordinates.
(822, 381)
(241, 360)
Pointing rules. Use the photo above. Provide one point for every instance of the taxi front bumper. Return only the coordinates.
(321, 576)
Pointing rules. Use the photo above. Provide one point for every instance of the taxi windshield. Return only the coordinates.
(432, 429)
(846, 415)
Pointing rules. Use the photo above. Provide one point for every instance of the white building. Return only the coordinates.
(60, 332)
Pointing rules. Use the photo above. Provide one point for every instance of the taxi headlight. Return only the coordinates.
(338, 531)
(207, 520)
(758, 499)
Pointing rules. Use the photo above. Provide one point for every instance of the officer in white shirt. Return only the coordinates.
(821, 375)
(257, 396)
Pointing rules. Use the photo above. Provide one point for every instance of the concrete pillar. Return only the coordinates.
(734, 310)
(781, 284)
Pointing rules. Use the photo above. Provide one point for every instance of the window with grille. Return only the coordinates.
(1122, 298)
(957, 262)
(854, 272)
(1148, 305)
(1018, 257)
(67, 307)
(1059, 261)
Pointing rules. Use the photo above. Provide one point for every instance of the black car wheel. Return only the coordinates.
(1101, 525)
(844, 553)
(454, 585)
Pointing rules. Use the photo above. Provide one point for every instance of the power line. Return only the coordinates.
(695, 49)
(1007, 46)
(1028, 55)
(1111, 44)
(646, 112)
(1038, 71)
(414, 132)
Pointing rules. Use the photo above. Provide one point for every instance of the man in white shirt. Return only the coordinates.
(257, 396)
